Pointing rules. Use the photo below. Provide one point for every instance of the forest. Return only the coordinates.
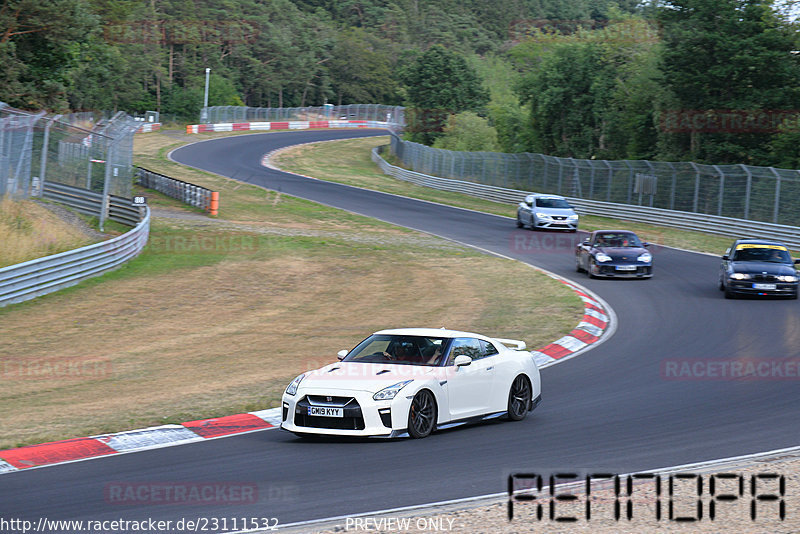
(712, 81)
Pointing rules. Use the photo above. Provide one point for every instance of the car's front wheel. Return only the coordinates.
(519, 398)
(422, 415)
(519, 221)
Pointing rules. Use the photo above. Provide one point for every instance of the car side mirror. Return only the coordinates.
(462, 361)
(797, 262)
(725, 257)
(585, 243)
(341, 354)
(645, 244)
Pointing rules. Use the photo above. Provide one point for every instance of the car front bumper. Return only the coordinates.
(550, 224)
(744, 287)
(623, 270)
(362, 415)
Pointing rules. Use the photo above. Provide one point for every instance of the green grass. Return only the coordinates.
(349, 162)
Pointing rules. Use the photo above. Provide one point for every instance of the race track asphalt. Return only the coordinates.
(612, 409)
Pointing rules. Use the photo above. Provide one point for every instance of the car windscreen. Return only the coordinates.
(397, 349)
(617, 240)
(762, 253)
(552, 203)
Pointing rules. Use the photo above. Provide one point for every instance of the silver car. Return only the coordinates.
(546, 211)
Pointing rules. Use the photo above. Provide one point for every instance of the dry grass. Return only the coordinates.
(185, 333)
(227, 337)
(29, 231)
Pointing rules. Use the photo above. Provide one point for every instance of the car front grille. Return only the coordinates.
(765, 278)
(353, 418)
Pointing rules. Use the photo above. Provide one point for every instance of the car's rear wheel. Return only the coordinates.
(422, 414)
(519, 398)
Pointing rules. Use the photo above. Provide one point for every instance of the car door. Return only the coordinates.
(469, 387)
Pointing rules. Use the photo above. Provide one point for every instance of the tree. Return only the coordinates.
(440, 84)
(467, 131)
(724, 55)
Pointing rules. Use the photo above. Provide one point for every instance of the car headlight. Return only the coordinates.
(740, 276)
(291, 389)
(390, 392)
(602, 256)
(646, 257)
(787, 278)
(573, 217)
(543, 216)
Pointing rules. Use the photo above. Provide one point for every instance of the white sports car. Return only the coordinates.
(411, 381)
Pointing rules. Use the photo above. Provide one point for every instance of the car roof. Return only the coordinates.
(431, 332)
(613, 232)
(753, 241)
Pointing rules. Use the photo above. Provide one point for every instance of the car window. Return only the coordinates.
(466, 346)
(398, 349)
(617, 240)
(488, 349)
(552, 203)
(762, 253)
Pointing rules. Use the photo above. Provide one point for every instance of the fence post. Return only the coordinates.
(630, 180)
(777, 194)
(674, 186)
(721, 189)
(696, 186)
(45, 144)
(106, 183)
(747, 190)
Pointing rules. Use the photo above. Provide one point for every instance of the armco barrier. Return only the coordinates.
(286, 125)
(191, 194)
(33, 278)
(90, 203)
(790, 235)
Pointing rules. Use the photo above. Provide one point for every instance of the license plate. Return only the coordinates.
(626, 267)
(322, 411)
(765, 286)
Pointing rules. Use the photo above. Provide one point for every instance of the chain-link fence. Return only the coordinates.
(739, 191)
(79, 150)
(363, 112)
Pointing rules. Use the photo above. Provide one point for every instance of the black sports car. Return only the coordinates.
(758, 267)
(614, 253)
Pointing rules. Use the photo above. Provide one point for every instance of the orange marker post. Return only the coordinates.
(213, 208)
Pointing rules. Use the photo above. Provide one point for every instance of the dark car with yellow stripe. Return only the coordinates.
(758, 267)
